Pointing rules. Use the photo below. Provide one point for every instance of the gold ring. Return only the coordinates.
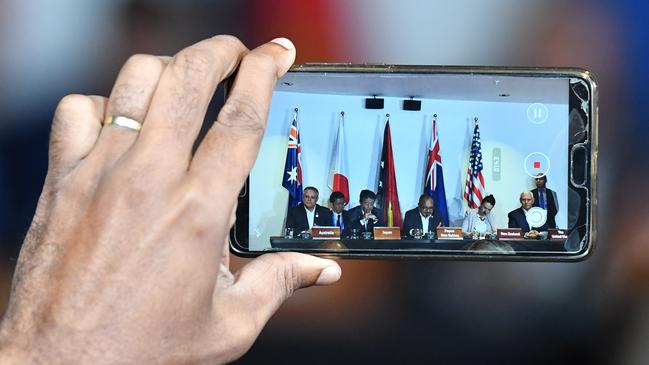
(123, 122)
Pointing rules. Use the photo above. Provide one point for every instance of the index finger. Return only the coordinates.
(226, 154)
(179, 103)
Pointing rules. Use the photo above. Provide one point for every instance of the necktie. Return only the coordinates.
(542, 199)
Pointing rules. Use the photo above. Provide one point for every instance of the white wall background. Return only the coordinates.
(502, 125)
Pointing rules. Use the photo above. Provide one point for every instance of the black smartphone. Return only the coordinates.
(426, 162)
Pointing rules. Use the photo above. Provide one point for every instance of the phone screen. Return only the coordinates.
(405, 162)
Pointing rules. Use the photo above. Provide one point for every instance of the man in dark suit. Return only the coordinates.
(518, 217)
(365, 216)
(309, 213)
(423, 217)
(339, 216)
(546, 199)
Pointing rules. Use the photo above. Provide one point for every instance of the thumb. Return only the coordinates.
(267, 281)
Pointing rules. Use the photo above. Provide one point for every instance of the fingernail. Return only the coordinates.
(284, 43)
(329, 275)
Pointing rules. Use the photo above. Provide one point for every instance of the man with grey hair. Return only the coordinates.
(518, 217)
(309, 213)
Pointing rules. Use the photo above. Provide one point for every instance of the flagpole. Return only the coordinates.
(434, 121)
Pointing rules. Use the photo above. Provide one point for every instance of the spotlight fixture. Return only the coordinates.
(412, 104)
(374, 103)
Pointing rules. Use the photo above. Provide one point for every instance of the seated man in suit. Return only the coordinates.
(546, 199)
(423, 217)
(518, 217)
(365, 216)
(309, 213)
(339, 216)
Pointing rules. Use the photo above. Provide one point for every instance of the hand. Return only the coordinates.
(127, 257)
(532, 234)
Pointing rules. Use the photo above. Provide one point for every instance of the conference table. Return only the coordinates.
(424, 245)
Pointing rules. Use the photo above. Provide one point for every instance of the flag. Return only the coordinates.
(434, 185)
(338, 175)
(386, 195)
(474, 190)
(292, 176)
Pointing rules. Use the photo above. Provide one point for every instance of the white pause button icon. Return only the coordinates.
(537, 113)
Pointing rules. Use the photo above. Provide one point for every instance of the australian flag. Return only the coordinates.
(292, 176)
(434, 185)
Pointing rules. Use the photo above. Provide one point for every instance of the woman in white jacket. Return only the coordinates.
(480, 220)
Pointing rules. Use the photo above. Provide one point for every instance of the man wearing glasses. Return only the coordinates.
(424, 217)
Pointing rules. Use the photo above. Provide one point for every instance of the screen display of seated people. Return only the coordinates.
(413, 151)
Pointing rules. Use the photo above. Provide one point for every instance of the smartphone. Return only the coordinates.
(425, 162)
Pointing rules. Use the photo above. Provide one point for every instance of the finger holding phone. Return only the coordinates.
(127, 257)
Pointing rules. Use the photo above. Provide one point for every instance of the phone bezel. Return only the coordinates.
(553, 72)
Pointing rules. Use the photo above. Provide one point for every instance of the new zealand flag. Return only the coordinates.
(434, 185)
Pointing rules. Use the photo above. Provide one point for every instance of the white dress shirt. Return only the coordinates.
(424, 222)
(310, 216)
(337, 216)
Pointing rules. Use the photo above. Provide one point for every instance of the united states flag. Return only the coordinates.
(292, 176)
(474, 190)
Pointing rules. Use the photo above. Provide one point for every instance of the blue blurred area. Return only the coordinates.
(383, 312)
(22, 173)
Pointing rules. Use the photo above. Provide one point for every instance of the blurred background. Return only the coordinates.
(596, 311)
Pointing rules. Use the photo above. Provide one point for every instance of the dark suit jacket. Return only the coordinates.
(551, 205)
(296, 218)
(412, 220)
(346, 222)
(356, 214)
(517, 220)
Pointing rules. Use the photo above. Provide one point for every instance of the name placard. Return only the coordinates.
(387, 233)
(449, 233)
(325, 233)
(510, 234)
(558, 234)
